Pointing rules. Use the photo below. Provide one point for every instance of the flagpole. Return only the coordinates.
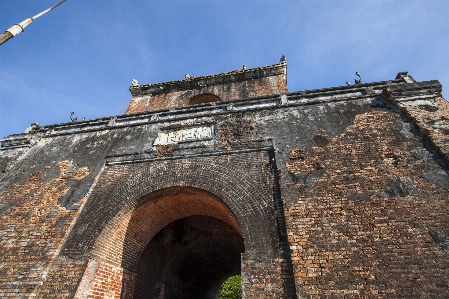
(17, 28)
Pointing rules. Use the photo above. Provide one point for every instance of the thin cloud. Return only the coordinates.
(83, 55)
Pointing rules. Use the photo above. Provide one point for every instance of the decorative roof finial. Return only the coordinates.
(283, 58)
(244, 67)
(187, 77)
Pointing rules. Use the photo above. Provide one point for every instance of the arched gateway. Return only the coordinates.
(177, 228)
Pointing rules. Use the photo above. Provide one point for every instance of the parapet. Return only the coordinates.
(229, 86)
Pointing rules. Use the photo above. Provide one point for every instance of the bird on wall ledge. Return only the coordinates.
(359, 81)
(134, 82)
(356, 81)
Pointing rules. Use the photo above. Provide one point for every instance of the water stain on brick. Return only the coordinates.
(320, 140)
(432, 121)
(441, 237)
(35, 212)
(236, 130)
(306, 165)
(347, 208)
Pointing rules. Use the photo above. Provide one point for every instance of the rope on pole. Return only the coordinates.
(17, 28)
(4, 37)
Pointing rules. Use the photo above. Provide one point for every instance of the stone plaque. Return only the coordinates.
(185, 135)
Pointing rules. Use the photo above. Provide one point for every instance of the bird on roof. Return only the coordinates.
(360, 78)
(244, 67)
(187, 77)
(134, 82)
(283, 58)
(73, 119)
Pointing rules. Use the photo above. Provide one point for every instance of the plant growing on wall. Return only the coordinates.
(231, 288)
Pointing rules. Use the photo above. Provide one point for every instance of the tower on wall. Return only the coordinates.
(224, 87)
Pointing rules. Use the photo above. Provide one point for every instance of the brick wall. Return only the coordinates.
(102, 280)
(267, 279)
(360, 211)
(362, 228)
(430, 115)
(33, 228)
(226, 92)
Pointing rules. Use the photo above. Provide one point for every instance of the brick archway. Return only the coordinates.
(189, 258)
(123, 239)
(133, 202)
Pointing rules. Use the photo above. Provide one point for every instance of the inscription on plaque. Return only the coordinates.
(185, 135)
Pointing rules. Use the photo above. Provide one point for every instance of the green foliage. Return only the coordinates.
(231, 288)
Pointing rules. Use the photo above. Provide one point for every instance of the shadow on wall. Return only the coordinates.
(204, 98)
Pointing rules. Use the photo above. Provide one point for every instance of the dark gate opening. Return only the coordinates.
(189, 258)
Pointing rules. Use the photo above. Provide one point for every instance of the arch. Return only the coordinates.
(204, 98)
(190, 257)
(121, 188)
(131, 203)
(128, 235)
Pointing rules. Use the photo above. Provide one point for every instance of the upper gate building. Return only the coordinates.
(338, 192)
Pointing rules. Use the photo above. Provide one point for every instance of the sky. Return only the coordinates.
(82, 56)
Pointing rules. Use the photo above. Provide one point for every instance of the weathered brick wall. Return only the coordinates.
(231, 178)
(33, 227)
(267, 278)
(431, 115)
(347, 189)
(228, 92)
(238, 86)
(61, 280)
(362, 228)
(102, 280)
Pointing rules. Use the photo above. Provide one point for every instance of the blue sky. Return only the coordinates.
(82, 56)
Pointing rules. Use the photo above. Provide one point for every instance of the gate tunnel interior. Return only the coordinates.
(189, 258)
(178, 242)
